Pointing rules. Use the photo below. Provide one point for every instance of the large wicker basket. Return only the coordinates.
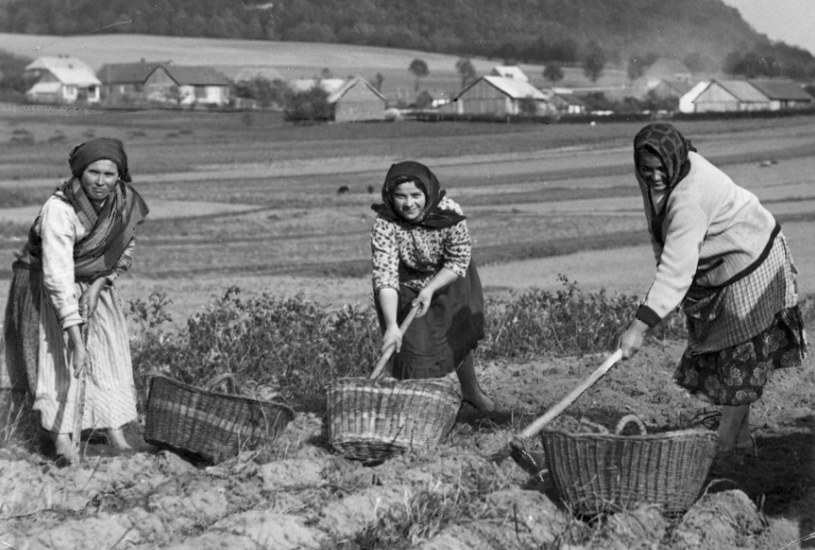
(207, 425)
(371, 420)
(601, 473)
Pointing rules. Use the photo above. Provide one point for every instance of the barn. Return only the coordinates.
(784, 94)
(730, 95)
(499, 96)
(357, 100)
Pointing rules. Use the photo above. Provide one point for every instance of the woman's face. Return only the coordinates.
(99, 178)
(652, 172)
(408, 200)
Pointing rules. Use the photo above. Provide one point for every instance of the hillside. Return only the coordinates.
(534, 31)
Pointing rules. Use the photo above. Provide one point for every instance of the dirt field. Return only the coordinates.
(238, 224)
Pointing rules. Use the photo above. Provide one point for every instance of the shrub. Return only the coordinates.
(296, 347)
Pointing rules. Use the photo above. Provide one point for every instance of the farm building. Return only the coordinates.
(61, 79)
(563, 100)
(357, 100)
(727, 96)
(187, 86)
(784, 94)
(126, 80)
(687, 102)
(499, 96)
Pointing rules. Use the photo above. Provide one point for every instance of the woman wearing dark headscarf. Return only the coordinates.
(722, 257)
(421, 256)
(62, 289)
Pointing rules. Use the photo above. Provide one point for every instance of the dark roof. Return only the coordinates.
(196, 75)
(126, 73)
(781, 89)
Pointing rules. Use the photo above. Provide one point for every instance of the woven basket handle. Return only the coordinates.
(221, 378)
(630, 419)
(383, 359)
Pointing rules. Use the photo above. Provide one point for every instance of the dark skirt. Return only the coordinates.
(736, 375)
(435, 344)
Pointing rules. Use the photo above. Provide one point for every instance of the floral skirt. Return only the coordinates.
(736, 375)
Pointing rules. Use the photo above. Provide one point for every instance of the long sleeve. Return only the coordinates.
(58, 230)
(385, 255)
(457, 248)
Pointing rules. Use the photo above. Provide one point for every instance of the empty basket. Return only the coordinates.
(210, 426)
(371, 420)
(601, 473)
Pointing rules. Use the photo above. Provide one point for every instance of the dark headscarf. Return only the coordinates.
(87, 153)
(667, 143)
(432, 217)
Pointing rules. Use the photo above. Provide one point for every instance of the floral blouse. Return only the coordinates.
(421, 252)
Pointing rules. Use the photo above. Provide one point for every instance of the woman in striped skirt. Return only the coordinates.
(63, 311)
(722, 257)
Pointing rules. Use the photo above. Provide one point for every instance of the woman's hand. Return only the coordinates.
(631, 340)
(392, 337)
(90, 298)
(423, 300)
(78, 354)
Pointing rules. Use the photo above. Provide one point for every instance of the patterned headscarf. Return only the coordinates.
(432, 217)
(87, 153)
(667, 143)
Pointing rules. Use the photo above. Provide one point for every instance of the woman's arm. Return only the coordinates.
(388, 299)
(443, 278)
(58, 233)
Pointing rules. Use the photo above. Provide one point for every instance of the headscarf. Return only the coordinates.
(667, 143)
(432, 217)
(87, 153)
(113, 226)
(671, 147)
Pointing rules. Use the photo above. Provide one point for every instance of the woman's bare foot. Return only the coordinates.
(64, 452)
(117, 440)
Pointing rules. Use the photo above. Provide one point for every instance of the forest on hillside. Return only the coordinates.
(707, 34)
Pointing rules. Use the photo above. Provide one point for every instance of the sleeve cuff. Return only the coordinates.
(648, 316)
(71, 320)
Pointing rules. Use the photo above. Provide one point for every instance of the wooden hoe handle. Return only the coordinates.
(383, 359)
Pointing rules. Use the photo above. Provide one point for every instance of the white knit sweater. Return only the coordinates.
(713, 230)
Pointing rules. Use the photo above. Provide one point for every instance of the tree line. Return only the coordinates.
(532, 31)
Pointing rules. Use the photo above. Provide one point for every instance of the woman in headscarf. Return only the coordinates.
(63, 312)
(722, 257)
(421, 257)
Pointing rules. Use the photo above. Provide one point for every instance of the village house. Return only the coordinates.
(784, 94)
(357, 100)
(125, 81)
(499, 96)
(61, 79)
(666, 69)
(564, 100)
(187, 86)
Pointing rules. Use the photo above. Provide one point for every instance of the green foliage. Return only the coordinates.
(594, 62)
(553, 72)
(311, 105)
(466, 70)
(296, 346)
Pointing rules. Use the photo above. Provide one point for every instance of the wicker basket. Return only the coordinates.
(207, 425)
(601, 473)
(371, 420)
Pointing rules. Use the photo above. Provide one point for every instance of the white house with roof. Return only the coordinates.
(687, 101)
(499, 96)
(62, 79)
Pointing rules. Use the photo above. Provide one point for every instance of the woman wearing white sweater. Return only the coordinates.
(722, 258)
